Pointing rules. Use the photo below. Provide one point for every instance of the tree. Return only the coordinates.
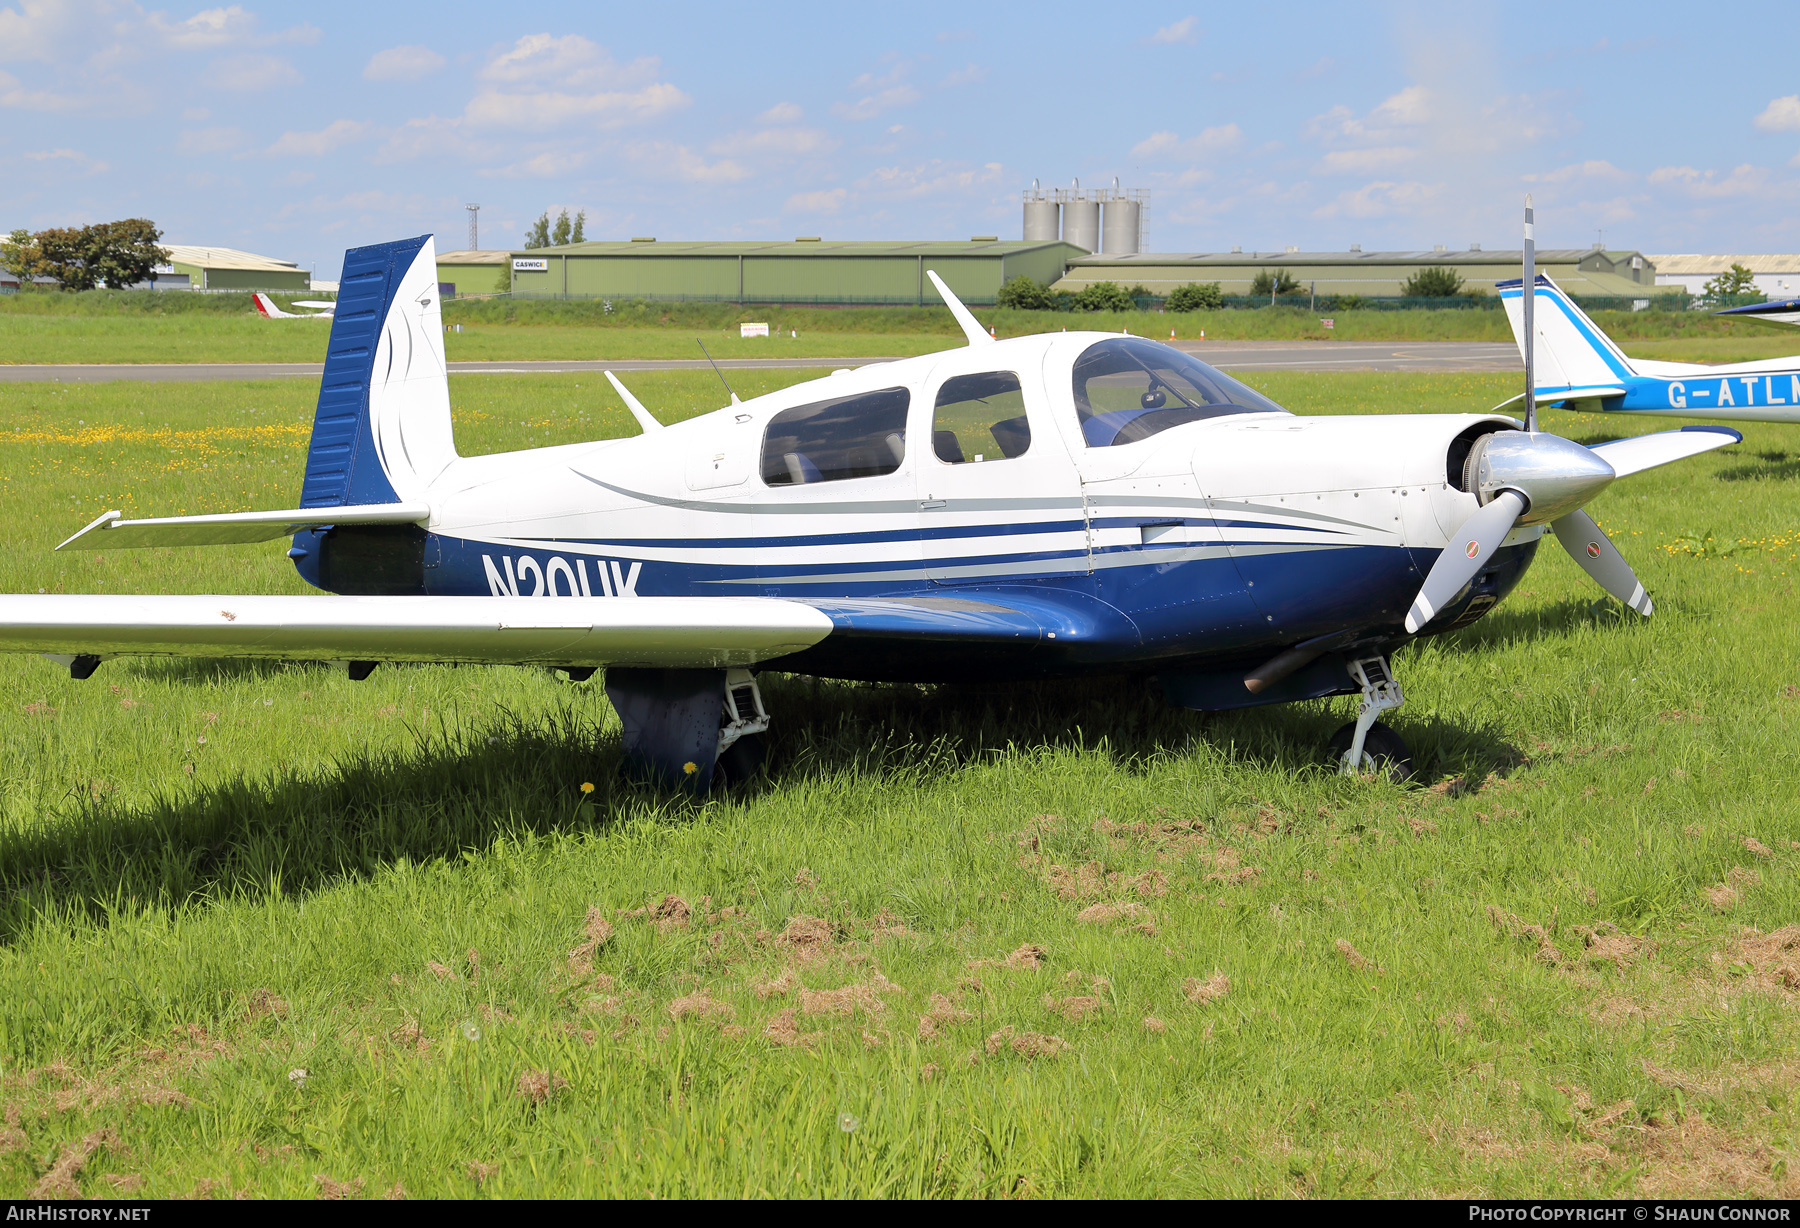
(539, 234)
(1023, 293)
(1735, 287)
(1434, 282)
(114, 254)
(560, 234)
(19, 255)
(1104, 296)
(578, 234)
(1203, 296)
(1273, 282)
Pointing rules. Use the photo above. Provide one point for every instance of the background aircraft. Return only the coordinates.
(1579, 367)
(266, 305)
(1060, 505)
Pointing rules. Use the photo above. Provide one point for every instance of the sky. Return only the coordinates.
(297, 131)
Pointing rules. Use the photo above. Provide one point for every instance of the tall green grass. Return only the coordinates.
(267, 931)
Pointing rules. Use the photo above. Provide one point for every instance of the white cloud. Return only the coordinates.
(548, 165)
(1781, 115)
(250, 72)
(1187, 30)
(780, 142)
(968, 74)
(816, 202)
(1170, 145)
(1592, 169)
(781, 113)
(1381, 126)
(680, 162)
(205, 142)
(934, 178)
(543, 82)
(1745, 180)
(14, 94)
(87, 165)
(408, 62)
(318, 144)
(884, 93)
(1364, 161)
(1383, 198)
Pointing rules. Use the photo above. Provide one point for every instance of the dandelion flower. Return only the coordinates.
(690, 767)
(587, 786)
(847, 1123)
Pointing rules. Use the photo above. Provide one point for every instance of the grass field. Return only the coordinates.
(143, 327)
(267, 931)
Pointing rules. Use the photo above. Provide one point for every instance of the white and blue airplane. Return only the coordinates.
(1051, 506)
(1579, 367)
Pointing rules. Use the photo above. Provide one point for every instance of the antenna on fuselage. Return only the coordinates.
(1529, 290)
(716, 371)
(971, 327)
(636, 406)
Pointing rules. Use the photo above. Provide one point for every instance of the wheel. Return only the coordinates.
(740, 761)
(1384, 752)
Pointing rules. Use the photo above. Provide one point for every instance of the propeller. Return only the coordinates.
(1529, 477)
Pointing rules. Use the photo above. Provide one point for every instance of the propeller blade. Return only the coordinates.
(1591, 548)
(1467, 553)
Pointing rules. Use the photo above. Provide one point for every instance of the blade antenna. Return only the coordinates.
(645, 420)
(717, 372)
(1530, 290)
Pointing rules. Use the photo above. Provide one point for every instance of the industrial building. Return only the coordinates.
(1111, 220)
(807, 270)
(1585, 274)
(224, 268)
(1777, 276)
(466, 272)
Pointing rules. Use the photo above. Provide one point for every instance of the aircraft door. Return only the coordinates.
(999, 498)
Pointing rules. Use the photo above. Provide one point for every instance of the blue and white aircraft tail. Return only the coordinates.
(1579, 367)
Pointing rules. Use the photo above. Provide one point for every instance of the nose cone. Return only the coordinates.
(1555, 475)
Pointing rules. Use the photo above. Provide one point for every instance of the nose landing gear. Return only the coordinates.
(1366, 744)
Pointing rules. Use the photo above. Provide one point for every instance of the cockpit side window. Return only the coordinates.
(1128, 389)
(857, 436)
(980, 418)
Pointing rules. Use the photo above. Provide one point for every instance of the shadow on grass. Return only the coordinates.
(455, 792)
(1769, 467)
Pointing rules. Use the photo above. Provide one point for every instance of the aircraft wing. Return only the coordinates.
(110, 532)
(669, 632)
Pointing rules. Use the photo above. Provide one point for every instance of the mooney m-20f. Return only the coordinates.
(1050, 506)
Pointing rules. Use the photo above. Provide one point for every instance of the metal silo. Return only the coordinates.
(1081, 219)
(1042, 215)
(1120, 238)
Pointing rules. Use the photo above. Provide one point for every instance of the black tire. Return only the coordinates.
(740, 761)
(1384, 752)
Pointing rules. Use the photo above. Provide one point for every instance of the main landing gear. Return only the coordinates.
(686, 728)
(1366, 744)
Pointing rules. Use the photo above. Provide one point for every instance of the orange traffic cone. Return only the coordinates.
(1203, 334)
(992, 333)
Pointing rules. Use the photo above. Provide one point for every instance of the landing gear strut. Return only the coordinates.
(741, 726)
(1368, 745)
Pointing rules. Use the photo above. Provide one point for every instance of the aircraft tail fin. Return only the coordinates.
(267, 307)
(1573, 358)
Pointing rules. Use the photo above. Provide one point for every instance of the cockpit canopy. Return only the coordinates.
(1128, 389)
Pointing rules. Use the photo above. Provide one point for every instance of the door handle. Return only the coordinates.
(926, 505)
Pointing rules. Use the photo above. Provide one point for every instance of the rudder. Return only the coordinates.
(1572, 356)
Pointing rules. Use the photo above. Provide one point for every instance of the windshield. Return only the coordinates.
(1129, 389)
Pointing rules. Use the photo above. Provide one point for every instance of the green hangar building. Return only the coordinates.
(810, 271)
(1589, 273)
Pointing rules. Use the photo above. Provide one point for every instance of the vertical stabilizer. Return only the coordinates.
(1571, 357)
(382, 429)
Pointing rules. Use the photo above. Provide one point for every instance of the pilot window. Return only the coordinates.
(1128, 389)
(980, 418)
(858, 436)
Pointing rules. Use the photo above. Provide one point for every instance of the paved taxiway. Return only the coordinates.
(1232, 355)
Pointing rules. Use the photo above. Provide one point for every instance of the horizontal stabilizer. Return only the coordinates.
(1782, 311)
(233, 528)
(1641, 452)
(667, 632)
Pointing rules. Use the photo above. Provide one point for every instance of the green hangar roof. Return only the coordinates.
(800, 271)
